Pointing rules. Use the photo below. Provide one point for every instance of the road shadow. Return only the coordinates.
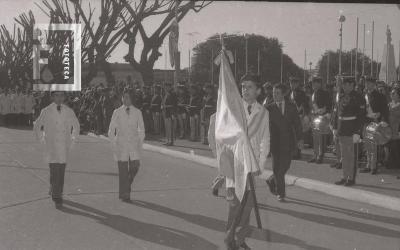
(219, 225)
(349, 212)
(67, 171)
(334, 221)
(379, 187)
(161, 235)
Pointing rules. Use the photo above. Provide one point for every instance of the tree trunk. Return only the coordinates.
(147, 74)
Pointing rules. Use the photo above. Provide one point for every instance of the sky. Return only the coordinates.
(313, 27)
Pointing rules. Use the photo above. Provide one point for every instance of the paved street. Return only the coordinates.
(172, 208)
(386, 182)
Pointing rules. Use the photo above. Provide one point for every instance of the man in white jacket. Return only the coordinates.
(58, 128)
(126, 133)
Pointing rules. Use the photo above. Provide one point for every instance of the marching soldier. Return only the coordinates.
(321, 106)
(299, 98)
(169, 109)
(146, 108)
(58, 127)
(126, 133)
(194, 112)
(338, 93)
(347, 126)
(155, 108)
(183, 102)
(208, 108)
(377, 111)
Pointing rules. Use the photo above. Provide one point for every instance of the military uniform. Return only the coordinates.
(183, 102)
(347, 124)
(377, 111)
(169, 109)
(321, 106)
(147, 117)
(194, 116)
(155, 107)
(208, 108)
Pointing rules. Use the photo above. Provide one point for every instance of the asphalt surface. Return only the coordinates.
(172, 207)
(386, 182)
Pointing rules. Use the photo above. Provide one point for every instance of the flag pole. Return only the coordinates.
(212, 66)
(327, 69)
(356, 59)
(387, 54)
(372, 49)
(363, 55)
(305, 67)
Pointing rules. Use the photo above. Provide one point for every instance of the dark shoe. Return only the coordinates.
(349, 183)
(374, 171)
(333, 165)
(319, 160)
(339, 165)
(271, 187)
(341, 182)
(312, 160)
(58, 202)
(231, 245)
(244, 246)
(215, 192)
(365, 170)
(126, 200)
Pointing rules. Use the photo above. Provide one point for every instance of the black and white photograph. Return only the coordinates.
(199, 125)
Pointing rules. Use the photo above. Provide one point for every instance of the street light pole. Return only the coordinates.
(372, 48)
(342, 18)
(356, 57)
(363, 55)
(246, 36)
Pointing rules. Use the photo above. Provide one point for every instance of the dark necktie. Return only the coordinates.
(249, 109)
(127, 110)
(59, 108)
(280, 107)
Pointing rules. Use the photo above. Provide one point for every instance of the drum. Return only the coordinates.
(378, 133)
(320, 125)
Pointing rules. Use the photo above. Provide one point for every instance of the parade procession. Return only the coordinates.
(199, 125)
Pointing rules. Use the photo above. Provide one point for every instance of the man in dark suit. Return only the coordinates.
(286, 137)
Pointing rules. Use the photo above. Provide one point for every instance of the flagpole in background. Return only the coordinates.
(356, 57)
(372, 48)
(363, 53)
(305, 66)
(246, 36)
(327, 69)
(351, 62)
(377, 64)
(258, 62)
(235, 66)
(387, 53)
(282, 65)
(212, 66)
(342, 18)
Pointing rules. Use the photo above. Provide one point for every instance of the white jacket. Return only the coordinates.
(56, 134)
(29, 103)
(5, 104)
(126, 133)
(18, 103)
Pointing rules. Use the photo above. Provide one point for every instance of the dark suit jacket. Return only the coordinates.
(285, 130)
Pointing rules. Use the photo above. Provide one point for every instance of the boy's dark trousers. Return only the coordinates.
(57, 173)
(127, 171)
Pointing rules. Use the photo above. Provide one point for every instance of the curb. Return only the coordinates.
(347, 193)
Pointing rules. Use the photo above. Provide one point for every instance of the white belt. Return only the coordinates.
(348, 118)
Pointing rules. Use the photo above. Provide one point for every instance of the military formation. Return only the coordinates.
(334, 117)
